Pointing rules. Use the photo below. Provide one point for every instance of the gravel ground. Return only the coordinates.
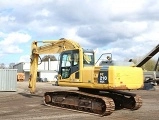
(21, 105)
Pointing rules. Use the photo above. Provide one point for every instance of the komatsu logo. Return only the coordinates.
(103, 77)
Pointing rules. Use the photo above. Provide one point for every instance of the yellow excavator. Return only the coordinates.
(101, 88)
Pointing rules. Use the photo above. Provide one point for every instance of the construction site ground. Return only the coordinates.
(21, 105)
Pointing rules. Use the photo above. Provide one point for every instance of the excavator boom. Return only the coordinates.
(49, 47)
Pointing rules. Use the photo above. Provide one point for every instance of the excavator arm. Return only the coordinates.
(49, 47)
(152, 53)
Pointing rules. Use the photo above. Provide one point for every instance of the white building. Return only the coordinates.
(46, 70)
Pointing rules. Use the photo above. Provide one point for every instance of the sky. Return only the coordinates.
(125, 28)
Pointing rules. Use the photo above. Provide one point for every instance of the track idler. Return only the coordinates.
(124, 99)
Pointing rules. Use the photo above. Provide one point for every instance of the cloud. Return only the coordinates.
(24, 58)
(71, 34)
(12, 41)
(16, 38)
(122, 27)
(11, 49)
(43, 13)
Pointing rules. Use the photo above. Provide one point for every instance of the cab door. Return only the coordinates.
(69, 66)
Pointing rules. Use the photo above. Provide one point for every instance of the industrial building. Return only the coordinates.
(47, 71)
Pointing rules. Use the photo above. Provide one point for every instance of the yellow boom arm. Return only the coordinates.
(49, 47)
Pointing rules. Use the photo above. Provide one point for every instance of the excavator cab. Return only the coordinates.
(72, 62)
(69, 63)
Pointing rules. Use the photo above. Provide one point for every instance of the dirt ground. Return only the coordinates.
(21, 105)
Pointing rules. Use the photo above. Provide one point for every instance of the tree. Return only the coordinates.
(47, 57)
(11, 65)
(149, 65)
(2, 66)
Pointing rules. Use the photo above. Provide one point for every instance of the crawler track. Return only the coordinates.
(121, 99)
(102, 103)
(80, 101)
(124, 99)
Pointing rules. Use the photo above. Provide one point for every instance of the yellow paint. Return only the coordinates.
(123, 78)
(130, 77)
(119, 77)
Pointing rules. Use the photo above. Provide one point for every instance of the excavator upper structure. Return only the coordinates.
(101, 88)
